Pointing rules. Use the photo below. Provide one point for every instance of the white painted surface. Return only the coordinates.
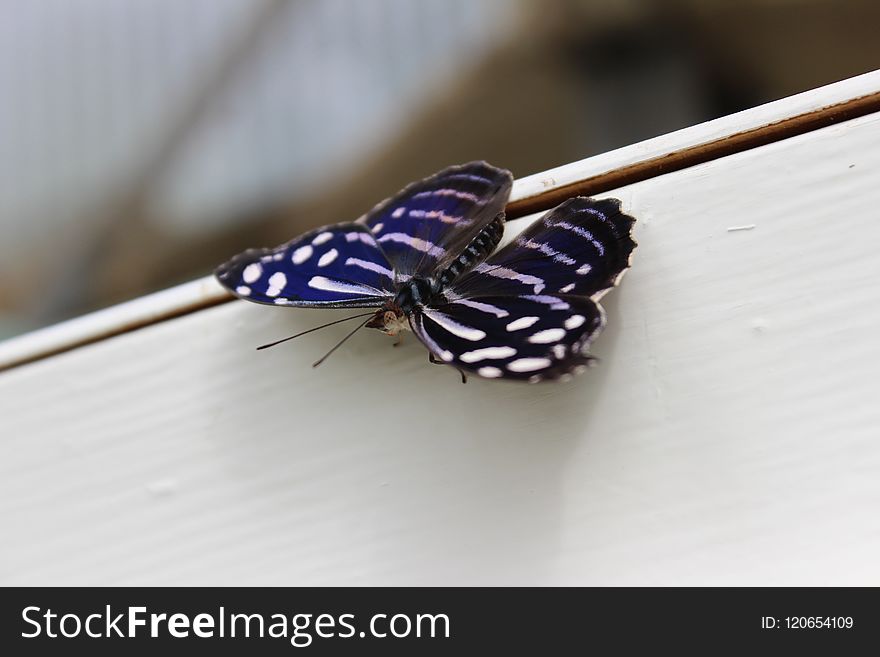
(730, 435)
(94, 326)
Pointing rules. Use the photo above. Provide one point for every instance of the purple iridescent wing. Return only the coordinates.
(429, 223)
(531, 310)
(339, 266)
(580, 247)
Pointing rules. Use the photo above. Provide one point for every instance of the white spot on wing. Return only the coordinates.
(372, 266)
(490, 372)
(243, 290)
(454, 327)
(483, 307)
(559, 350)
(378, 227)
(574, 321)
(302, 254)
(434, 214)
(521, 323)
(587, 235)
(567, 288)
(277, 281)
(583, 269)
(555, 303)
(398, 213)
(252, 272)
(547, 336)
(547, 250)
(528, 364)
(449, 192)
(492, 353)
(328, 257)
(331, 285)
(504, 272)
(322, 238)
(358, 236)
(414, 243)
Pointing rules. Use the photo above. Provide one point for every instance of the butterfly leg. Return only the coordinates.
(399, 340)
(434, 361)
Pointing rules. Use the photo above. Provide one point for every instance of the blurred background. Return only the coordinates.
(142, 143)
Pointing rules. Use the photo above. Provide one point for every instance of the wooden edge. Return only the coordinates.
(116, 320)
(697, 154)
(539, 192)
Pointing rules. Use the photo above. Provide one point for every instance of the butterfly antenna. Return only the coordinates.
(338, 321)
(340, 343)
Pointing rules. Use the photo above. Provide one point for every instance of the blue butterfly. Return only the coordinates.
(528, 312)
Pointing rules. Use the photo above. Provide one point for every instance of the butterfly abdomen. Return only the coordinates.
(477, 251)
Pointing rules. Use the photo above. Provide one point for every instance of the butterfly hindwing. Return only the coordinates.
(334, 266)
(580, 247)
(429, 223)
(531, 310)
(532, 337)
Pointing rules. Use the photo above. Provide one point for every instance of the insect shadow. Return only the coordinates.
(379, 468)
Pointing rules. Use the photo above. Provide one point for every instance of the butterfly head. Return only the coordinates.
(391, 321)
(393, 316)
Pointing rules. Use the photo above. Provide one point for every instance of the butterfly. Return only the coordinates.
(421, 259)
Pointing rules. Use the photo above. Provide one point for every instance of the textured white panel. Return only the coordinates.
(728, 437)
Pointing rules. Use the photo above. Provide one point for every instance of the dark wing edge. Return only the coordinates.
(621, 225)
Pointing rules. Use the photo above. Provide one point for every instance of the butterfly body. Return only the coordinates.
(422, 260)
(419, 291)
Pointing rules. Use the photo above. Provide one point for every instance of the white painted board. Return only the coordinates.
(730, 435)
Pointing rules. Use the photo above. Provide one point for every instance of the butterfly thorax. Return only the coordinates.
(421, 291)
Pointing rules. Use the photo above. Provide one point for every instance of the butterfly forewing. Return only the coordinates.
(580, 247)
(334, 266)
(428, 224)
(533, 337)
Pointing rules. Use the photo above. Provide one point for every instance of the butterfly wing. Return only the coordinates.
(429, 223)
(528, 337)
(531, 311)
(339, 266)
(580, 247)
